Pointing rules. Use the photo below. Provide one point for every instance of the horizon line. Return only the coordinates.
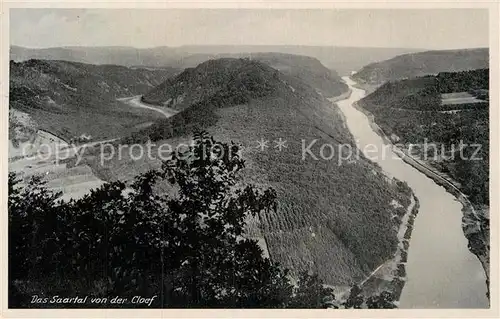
(226, 45)
(415, 50)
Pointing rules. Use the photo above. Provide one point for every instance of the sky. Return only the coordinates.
(396, 28)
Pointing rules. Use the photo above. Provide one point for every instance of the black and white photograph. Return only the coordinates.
(249, 158)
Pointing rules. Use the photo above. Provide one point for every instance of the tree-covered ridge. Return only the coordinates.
(212, 85)
(424, 93)
(212, 77)
(67, 82)
(306, 68)
(448, 82)
(189, 249)
(412, 110)
(419, 64)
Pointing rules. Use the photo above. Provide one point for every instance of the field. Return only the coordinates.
(73, 182)
(117, 119)
(459, 98)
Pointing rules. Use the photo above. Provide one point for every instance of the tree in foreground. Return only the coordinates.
(186, 246)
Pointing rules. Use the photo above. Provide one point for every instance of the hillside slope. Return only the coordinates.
(421, 108)
(443, 122)
(334, 218)
(307, 69)
(422, 63)
(69, 99)
(237, 76)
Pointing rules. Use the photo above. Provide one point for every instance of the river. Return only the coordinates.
(441, 271)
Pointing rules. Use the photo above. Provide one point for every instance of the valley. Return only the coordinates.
(315, 217)
(346, 218)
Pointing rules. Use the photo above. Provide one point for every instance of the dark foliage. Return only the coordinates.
(448, 82)
(412, 110)
(189, 249)
(228, 78)
(213, 84)
(355, 300)
(424, 93)
(69, 98)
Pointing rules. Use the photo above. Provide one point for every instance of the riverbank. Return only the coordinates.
(391, 276)
(136, 101)
(477, 237)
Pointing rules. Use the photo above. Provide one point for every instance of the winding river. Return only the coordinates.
(441, 272)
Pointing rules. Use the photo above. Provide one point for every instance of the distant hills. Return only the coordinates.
(423, 63)
(64, 97)
(126, 56)
(69, 99)
(342, 59)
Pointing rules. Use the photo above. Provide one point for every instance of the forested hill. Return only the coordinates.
(221, 83)
(227, 77)
(322, 208)
(444, 109)
(70, 98)
(423, 63)
(102, 80)
(425, 93)
(308, 69)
